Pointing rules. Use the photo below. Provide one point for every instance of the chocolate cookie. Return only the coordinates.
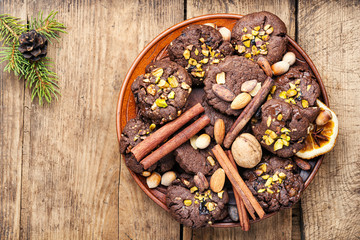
(224, 81)
(196, 160)
(281, 128)
(196, 48)
(275, 183)
(198, 96)
(196, 209)
(260, 34)
(161, 93)
(135, 131)
(299, 87)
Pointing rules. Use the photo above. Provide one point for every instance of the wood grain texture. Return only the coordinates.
(11, 139)
(279, 226)
(285, 9)
(276, 227)
(71, 170)
(140, 217)
(331, 203)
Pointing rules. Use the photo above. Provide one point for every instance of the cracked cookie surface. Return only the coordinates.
(161, 93)
(198, 47)
(260, 34)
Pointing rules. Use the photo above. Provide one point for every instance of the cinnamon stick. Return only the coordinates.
(238, 183)
(243, 217)
(248, 112)
(176, 141)
(152, 141)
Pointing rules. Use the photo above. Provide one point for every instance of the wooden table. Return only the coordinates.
(61, 176)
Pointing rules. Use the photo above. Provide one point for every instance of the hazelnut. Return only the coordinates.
(323, 118)
(290, 58)
(153, 180)
(167, 178)
(225, 33)
(280, 68)
(246, 151)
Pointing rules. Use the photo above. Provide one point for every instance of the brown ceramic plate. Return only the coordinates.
(126, 108)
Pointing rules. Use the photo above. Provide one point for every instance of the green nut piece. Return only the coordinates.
(161, 103)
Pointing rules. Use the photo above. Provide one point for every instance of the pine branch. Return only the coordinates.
(38, 75)
(42, 80)
(15, 60)
(49, 27)
(10, 28)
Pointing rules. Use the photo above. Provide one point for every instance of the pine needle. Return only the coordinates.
(39, 76)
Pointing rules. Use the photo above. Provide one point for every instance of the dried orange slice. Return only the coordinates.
(321, 139)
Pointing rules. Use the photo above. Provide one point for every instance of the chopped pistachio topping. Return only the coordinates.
(161, 103)
(210, 206)
(282, 95)
(263, 167)
(211, 160)
(278, 145)
(265, 176)
(269, 191)
(157, 72)
(152, 127)
(220, 78)
(187, 202)
(220, 194)
(171, 95)
(196, 51)
(186, 54)
(173, 81)
(304, 103)
(185, 86)
(268, 121)
(261, 190)
(193, 189)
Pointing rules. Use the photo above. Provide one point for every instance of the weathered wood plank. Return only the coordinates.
(279, 226)
(285, 9)
(71, 172)
(140, 217)
(11, 139)
(326, 32)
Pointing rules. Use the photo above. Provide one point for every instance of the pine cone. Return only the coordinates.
(33, 45)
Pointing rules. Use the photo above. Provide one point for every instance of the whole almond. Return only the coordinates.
(280, 68)
(223, 93)
(203, 141)
(240, 101)
(201, 182)
(217, 180)
(304, 165)
(248, 86)
(219, 131)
